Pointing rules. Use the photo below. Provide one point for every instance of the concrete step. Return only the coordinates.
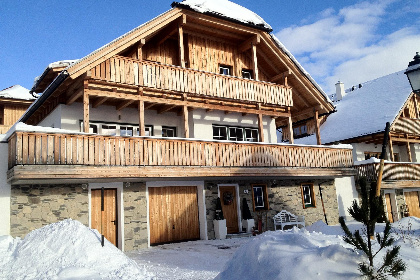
(238, 235)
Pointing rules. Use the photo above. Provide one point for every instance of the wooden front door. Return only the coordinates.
(173, 214)
(389, 209)
(412, 201)
(229, 207)
(105, 221)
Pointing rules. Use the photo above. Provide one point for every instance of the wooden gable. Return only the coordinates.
(408, 119)
(207, 43)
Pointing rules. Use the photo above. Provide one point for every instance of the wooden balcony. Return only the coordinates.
(41, 156)
(393, 171)
(156, 76)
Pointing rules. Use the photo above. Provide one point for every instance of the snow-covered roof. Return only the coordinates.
(16, 92)
(226, 9)
(57, 64)
(365, 110)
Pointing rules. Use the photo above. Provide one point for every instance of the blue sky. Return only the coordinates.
(350, 41)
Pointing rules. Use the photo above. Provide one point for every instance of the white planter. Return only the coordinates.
(220, 229)
(248, 225)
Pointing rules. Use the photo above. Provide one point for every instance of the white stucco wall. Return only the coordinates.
(415, 152)
(346, 194)
(200, 121)
(5, 191)
(359, 150)
(53, 119)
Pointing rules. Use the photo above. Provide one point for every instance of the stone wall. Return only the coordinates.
(33, 206)
(135, 216)
(286, 194)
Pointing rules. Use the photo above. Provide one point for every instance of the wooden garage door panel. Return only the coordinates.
(173, 214)
(412, 201)
(389, 207)
(106, 222)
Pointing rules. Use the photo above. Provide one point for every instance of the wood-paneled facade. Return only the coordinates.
(188, 75)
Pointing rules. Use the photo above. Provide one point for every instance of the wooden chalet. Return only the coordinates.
(14, 101)
(360, 120)
(165, 119)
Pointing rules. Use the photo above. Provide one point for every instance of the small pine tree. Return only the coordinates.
(369, 213)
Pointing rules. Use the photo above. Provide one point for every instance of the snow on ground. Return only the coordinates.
(64, 250)
(69, 250)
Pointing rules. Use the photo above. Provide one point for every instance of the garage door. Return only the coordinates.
(173, 214)
(412, 201)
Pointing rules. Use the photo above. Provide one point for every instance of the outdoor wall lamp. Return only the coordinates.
(413, 73)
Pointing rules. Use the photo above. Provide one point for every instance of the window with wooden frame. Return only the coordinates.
(368, 155)
(300, 131)
(225, 70)
(247, 74)
(168, 131)
(259, 197)
(308, 196)
(235, 133)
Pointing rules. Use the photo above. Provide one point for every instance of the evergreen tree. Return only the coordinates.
(369, 213)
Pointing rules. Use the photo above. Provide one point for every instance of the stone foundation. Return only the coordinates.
(285, 195)
(135, 216)
(34, 206)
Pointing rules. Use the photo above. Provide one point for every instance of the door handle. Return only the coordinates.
(173, 226)
(114, 221)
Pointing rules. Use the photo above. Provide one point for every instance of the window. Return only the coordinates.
(251, 134)
(259, 197)
(300, 131)
(109, 129)
(168, 131)
(368, 155)
(148, 130)
(246, 74)
(126, 130)
(308, 198)
(234, 133)
(225, 69)
(93, 128)
(219, 132)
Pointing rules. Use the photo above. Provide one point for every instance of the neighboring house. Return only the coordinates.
(13, 103)
(360, 120)
(165, 119)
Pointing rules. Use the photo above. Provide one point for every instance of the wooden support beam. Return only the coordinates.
(166, 109)
(124, 104)
(186, 126)
(307, 111)
(190, 27)
(255, 61)
(74, 97)
(253, 41)
(281, 76)
(260, 127)
(99, 101)
(391, 150)
(141, 118)
(290, 128)
(149, 106)
(172, 29)
(410, 159)
(416, 107)
(181, 40)
(317, 130)
(140, 45)
(85, 110)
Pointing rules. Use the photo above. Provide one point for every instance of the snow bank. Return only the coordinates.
(64, 250)
(317, 252)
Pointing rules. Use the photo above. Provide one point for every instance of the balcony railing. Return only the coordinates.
(392, 171)
(29, 148)
(125, 70)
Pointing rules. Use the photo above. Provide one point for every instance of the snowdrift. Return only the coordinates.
(64, 250)
(317, 252)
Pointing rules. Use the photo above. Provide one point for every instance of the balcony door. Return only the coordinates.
(228, 197)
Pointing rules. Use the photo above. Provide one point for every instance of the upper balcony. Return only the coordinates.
(36, 157)
(157, 76)
(393, 171)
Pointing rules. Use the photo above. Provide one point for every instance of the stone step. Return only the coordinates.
(238, 235)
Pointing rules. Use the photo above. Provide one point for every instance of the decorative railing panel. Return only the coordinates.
(392, 171)
(130, 71)
(26, 148)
